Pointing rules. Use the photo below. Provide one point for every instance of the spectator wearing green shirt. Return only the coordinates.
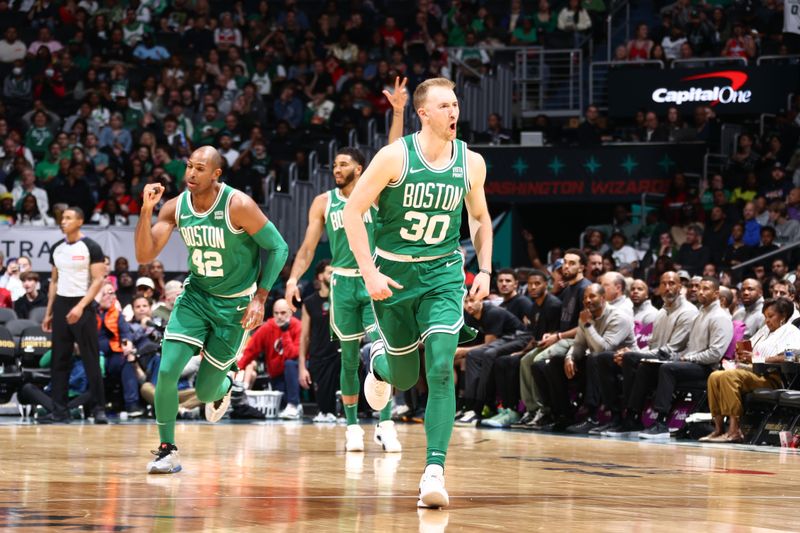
(131, 118)
(207, 130)
(524, 34)
(174, 167)
(47, 168)
(544, 20)
(39, 137)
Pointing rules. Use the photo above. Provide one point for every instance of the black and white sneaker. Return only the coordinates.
(626, 428)
(470, 418)
(598, 430)
(582, 428)
(542, 421)
(167, 460)
(657, 431)
(526, 419)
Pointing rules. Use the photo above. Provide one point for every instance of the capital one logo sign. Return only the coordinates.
(718, 94)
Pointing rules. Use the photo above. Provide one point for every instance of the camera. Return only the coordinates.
(157, 328)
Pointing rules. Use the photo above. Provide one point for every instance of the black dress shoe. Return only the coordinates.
(51, 419)
(100, 417)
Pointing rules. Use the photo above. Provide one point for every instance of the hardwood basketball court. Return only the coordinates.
(296, 477)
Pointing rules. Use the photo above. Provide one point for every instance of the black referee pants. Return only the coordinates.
(325, 376)
(84, 333)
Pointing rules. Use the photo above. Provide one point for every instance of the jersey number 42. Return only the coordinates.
(207, 263)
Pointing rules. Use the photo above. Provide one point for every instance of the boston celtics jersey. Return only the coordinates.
(419, 215)
(223, 261)
(334, 226)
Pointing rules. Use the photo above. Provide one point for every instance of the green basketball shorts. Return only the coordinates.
(210, 323)
(431, 301)
(351, 313)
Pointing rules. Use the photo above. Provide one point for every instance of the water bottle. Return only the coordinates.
(789, 356)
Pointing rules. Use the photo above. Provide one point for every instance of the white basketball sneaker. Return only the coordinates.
(386, 436)
(216, 410)
(432, 493)
(377, 392)
(354, 438)
(167, 460)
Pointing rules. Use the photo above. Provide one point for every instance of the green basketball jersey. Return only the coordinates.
(334, 226)
(420, 214)
(223, 261)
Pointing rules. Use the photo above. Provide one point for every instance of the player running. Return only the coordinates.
(224, 295)
(420, 185)
(351, 315)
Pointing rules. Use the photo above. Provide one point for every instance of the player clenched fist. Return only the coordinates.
(151, 196)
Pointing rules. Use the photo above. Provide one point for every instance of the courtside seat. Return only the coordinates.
(790, 398)
(768, 396)
(759, 406)
(781, 416)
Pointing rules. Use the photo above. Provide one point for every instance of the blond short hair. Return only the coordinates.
(421, 92)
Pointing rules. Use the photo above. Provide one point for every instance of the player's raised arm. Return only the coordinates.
(246, 214)
(316, 225)
(150, 238)
(398, 98)
(480, 224)
(384, 168)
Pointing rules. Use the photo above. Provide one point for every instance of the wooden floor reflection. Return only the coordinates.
(294, 477)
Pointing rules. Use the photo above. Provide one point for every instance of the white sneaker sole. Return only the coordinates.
(152, 469)
(374, 399)
(434, 500)
(215, 415)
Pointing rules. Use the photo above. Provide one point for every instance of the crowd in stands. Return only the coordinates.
(690, 30)
(103, 97)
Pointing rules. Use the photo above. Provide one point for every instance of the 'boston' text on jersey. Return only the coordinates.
(207, 236)
(432, 196)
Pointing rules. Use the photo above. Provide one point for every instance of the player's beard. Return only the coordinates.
(348, 179)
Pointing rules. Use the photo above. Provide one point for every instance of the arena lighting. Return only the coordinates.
(729, 94)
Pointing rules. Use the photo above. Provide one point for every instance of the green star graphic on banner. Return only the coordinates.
(556, 165)
(592, 165)
(520, 166)
(666, 163)
(629, 164)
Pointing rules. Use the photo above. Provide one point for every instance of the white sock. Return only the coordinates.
(436, 470)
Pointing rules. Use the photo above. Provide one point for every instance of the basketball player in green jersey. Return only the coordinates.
(224, 295)
(351, 313)
(420, 184)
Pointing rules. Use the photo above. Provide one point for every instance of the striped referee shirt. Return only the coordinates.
(73, 261)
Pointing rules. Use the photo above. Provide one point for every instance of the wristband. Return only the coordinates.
(484, 271)
(558, 336)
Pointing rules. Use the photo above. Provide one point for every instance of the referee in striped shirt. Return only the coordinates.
(78, 274)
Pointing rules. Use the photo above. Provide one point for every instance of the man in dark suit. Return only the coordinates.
(652, 132)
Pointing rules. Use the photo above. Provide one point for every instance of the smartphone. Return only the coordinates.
(744, 346)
